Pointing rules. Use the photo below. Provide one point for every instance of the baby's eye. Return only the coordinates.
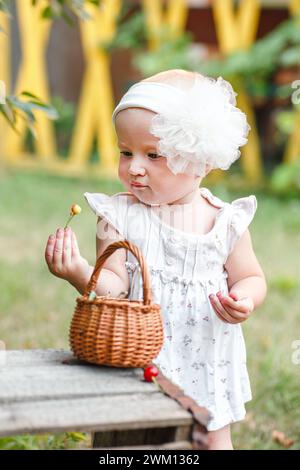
(153, 156)
(126, 154)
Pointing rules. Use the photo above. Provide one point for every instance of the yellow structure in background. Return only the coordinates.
(174, 18)
(236, 28)
(96, 100)
(4, 68)
(32, 76)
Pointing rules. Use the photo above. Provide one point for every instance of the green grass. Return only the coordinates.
(36, 308)
(67, 440)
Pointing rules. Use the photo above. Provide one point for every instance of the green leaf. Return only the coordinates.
(290, 57)
(50, 112)
(30, 95)
(5, 6)
(9, 114)
(15, 107)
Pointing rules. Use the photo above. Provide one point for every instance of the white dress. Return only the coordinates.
(203, 355)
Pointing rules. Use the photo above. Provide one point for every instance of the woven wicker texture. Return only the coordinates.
(113, 331)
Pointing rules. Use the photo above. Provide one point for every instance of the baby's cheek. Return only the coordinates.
(122, 170)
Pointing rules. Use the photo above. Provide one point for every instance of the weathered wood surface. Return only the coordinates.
(39, 392)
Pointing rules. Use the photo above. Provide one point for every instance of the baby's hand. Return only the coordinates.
(233, 308)
(62, 255)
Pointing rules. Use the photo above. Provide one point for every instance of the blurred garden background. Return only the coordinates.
(63, 66)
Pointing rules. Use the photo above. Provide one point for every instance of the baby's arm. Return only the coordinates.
(245, 275)
(246, 283)
(113, 278)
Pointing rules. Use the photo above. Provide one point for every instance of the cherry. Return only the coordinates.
(150, 372)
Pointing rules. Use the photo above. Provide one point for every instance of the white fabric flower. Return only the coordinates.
(202, 127)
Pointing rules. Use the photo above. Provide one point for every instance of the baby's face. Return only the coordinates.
(139, 162)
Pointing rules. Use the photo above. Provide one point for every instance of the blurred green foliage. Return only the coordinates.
(172, 53)
(131, 33)
(255, 67)
(284, 284)
(57, 8)
(16, 107)
(285, 179)
(5, 6)
(68, 440)
(23, 107)
(64, 124)
(65, 9)
(286, 120)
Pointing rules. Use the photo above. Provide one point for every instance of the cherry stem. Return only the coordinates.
(69, 220)
(157, 384)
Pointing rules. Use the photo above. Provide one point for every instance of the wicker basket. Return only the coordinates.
(113, 331)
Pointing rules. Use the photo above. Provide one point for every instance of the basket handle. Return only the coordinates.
(109, 251)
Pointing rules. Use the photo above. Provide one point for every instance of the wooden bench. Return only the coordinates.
(49, 390)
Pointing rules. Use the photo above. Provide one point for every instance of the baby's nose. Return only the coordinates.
(136, 168)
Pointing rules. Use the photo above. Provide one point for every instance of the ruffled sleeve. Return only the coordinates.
(241, 214)
(110, 208)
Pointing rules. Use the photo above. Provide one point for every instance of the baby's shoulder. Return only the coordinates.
(113, 200)
(111, 208)
(246, 204)
(212, 206)
(236, 215)
(125, 196)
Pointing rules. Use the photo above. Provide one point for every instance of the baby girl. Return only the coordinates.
(173, 129)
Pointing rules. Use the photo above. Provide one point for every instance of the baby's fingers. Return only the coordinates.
(50, 249)
(238, 305)
(220, 311)
(67, 248)
(236, 314)
(238, 310)
(75, 248)
(58, 248)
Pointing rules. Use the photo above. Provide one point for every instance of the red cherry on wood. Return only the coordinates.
(150, 372)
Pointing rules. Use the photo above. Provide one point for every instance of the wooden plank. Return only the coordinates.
(117, 412)
(51, 391)
(32, 357)
(37, 357)
(180, 445)
(136, 437)
(44, 375)
(38, 383)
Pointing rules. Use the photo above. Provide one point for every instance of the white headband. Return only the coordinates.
(196, 127)
(157, 97)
